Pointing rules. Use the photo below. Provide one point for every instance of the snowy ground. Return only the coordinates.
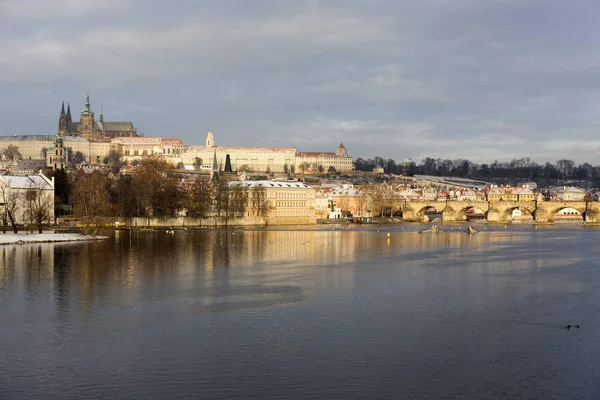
(11, 238)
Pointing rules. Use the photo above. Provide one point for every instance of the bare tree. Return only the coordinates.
(197, 163)
(44, 152)
(11, 152)
(361, 203)
(259, 202)
(343, 202)
(239, 201)
(78, 157)
(158, 189)
(114, 159)
(91, 199)
(221, 195)
(199, 200)
(38, 205)
(9, 201)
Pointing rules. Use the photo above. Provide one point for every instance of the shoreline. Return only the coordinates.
(29, 238)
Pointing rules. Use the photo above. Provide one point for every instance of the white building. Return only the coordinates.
(569, 193)
(24, 193)
(250, 159)
(313, 160)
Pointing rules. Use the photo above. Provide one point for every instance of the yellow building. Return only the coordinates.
(280, 202)
(136, 148)
(509, 193)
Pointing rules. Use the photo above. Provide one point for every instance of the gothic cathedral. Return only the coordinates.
(90, 128)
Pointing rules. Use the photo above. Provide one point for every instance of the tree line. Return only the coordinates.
(156, 189)
(516, 169)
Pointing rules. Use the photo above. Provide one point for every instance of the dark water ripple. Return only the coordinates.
(323, 313)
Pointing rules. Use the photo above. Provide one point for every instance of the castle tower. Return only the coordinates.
(210, 140)
(63, 125)
(86, 120)
(59, 156)
(341, 150)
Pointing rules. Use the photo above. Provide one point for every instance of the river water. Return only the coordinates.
(319, 312)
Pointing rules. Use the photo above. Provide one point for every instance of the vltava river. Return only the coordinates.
(301, 312)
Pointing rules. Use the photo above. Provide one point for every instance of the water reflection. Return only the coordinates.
(348, 310)
(203, 263)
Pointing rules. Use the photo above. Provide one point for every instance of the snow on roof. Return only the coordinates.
(192, 149)
(268, 184)
(27, 182)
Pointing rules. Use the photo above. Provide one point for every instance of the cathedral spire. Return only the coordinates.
(62, 120)
(215, 169)
(88, 109)
(101, 113)
(68, 112)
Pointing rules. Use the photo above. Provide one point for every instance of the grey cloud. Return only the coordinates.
(473, 79)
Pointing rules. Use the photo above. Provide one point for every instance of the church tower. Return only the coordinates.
(86, 120)
(341, 150)
(58, 157)
(210, 140)
(63, 121)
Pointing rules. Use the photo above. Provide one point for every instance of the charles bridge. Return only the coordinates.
(499, 211)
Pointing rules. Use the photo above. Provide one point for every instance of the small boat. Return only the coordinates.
(433, 229)
(471, 230)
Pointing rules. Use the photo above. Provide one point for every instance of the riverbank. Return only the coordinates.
(24, 238)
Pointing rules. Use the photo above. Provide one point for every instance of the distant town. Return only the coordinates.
(94, 173)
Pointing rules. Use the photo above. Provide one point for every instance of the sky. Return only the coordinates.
(482, 80)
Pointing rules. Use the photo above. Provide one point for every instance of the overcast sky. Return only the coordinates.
(475, 79)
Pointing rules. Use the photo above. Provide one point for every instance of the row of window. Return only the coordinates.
(290, 204)
(292, 213)
(137, 152)
(291, 195)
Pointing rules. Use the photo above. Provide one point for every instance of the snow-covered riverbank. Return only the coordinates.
(21, 238)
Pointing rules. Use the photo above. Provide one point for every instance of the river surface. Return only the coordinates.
(324, 312)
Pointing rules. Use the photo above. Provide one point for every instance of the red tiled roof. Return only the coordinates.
(172, 141)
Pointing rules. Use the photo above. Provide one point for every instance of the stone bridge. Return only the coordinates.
(499, 211)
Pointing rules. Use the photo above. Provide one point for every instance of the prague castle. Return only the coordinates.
(95, 139)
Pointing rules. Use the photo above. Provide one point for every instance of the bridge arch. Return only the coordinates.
(568, 215)
(473, 213)
(431, 212)
(518, 214)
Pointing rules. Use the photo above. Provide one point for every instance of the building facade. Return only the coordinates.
(340, 161)
(279, 202)
(250, 159)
